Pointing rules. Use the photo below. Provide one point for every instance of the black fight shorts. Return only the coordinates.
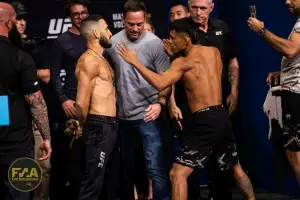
(210, 137)
(290, 103)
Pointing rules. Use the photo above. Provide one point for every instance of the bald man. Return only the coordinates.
(95, 104)
(18, 81)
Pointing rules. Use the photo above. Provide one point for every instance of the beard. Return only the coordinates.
(104, 42)
(297, 12)
(15, 37)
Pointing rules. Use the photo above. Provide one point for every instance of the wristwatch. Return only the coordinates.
(262, 31)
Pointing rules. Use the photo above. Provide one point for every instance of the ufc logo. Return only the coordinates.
(102, 159)
(219, 33)
(58, 26)
(62, 76)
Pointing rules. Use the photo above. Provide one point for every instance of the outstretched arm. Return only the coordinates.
(88, 72)
(289, 48)
(160, 81)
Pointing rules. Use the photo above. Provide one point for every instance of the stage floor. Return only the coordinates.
(260, 194)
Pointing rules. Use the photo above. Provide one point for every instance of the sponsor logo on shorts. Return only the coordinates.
(102, 159)
(25, 174)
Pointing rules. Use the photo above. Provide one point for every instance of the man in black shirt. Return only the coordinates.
(18, 81)
(67, 163)
(38, 50)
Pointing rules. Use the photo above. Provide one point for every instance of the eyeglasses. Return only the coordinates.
(76, 15)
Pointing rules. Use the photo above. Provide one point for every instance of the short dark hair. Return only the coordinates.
(71, 3)
(92, 18)
(134, 6)
(184, 25)
(87, 23)
(179, 3)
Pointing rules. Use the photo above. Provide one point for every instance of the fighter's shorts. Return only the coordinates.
(291, 120)
(210, 137)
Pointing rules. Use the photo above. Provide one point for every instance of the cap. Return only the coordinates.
(19, 8)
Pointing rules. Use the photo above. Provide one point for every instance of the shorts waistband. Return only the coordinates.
(103, 117)
(210, 108)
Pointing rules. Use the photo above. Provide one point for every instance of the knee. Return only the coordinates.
(178, 174)
(238, 171)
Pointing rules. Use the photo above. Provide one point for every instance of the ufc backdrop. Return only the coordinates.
(48, 17)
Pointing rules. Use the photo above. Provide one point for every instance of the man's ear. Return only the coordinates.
(9, 24)
(96, 33)
(188, 14)
(212, 7)
(187, 39)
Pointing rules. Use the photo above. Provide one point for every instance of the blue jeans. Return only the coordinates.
(153, 152)
(7, 191)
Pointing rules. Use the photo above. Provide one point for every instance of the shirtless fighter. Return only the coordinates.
(210, 135)
(95, 104)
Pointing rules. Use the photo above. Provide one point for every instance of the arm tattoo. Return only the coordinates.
(244, 184)
(39, 113)
(233, 75)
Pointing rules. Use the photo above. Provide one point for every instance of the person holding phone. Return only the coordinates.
(289, 81)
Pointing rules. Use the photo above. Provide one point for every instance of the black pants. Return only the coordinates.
(193, 179)
(111, 185)
(99, 134)
(220, 182)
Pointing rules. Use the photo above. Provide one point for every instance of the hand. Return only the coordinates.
(274, 75)
(78, 133)
(45, 150)
(167, 47)
(255, 25)
(127, 55)
(231, 102)
(69, 108)
(175, 113)
(152, 112)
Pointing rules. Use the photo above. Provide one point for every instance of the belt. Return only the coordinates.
(208, 109)
(103, 117)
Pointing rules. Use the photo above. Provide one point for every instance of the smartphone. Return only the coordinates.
(252, 11)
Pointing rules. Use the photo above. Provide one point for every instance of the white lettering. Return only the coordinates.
(67, 25)
(102, 159)
(55, 29)
(62, 76)
(117, 16)
(118, 24)
(219, 33)
(58, 26)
